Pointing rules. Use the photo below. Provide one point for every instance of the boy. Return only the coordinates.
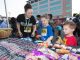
(68, 28)
(45, 33)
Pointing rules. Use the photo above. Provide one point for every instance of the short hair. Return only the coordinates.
(27, 6)
(44, 16)
(71, 24)
(50, 16)
(74, 15)
(38, 16)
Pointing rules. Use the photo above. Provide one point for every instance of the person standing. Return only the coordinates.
(26, 23)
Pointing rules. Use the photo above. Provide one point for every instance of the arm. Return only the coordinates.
(19, 32)
(50, 35)
(49, 39)
(18, 27)
(34, 28)
(34, 25)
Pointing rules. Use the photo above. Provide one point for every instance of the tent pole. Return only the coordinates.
(6, 13)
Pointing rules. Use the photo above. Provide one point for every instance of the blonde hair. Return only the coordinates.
(45, 16)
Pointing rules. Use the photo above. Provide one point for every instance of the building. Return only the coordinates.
(55, 7)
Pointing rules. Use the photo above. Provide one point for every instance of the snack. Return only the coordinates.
(38, 41)
(49, 53)
(62, 51)
(78, 50)
(74, 50)
(72, 57)
(43, 44)
(36, 58)
(69, 48)
(63, 46)
(57, 46)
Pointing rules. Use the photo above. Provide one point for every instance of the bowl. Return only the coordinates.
(5, 32)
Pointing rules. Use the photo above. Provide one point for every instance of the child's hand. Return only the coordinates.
(48, 42)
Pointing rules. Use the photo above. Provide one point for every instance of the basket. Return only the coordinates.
(5, 32)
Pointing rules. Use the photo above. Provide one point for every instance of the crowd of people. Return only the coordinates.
(45, 28)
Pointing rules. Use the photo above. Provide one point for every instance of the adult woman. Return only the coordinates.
(26, 23)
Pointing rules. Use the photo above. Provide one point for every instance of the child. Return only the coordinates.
(68, 28)
(45, 33)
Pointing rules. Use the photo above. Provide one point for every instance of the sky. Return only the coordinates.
(76, 6)
(16, 7)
